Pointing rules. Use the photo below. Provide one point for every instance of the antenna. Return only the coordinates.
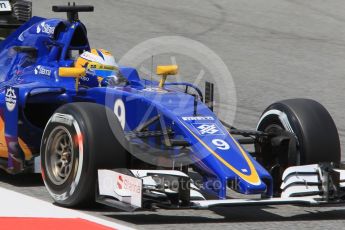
(151, 72)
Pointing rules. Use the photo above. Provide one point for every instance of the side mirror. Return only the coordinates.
(164, 71)
(72, 72)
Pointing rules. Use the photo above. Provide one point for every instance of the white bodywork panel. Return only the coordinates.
(124, 188)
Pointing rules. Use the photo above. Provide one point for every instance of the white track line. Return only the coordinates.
(14, 204)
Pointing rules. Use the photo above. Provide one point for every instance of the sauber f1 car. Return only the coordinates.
(146, 144)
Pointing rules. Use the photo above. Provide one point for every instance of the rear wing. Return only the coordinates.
(13, 13)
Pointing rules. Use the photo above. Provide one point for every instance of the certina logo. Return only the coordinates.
(45, 28)
(43, 71)
(11, 99)
(198, 118)
(205, 129)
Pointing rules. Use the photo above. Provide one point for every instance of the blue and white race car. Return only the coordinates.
(129, 143)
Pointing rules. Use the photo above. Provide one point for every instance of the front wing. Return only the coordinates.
(133, 189)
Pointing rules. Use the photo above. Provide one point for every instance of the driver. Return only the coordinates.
(101, 69)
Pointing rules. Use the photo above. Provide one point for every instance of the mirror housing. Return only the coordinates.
(167, 70)
(72, 72)
(164, 71)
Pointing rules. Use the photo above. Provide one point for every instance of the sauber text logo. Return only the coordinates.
(123, 183)
(42, 70)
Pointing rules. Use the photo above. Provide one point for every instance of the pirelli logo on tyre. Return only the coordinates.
(5, 6)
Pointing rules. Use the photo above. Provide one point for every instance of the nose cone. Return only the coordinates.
(247, 182)
(247, 188)
(222, 157)
(239, 172)
(244, 183)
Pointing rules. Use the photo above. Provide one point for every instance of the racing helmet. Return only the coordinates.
(98, 61)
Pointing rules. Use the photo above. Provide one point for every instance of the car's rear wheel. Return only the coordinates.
(311, 125)
(79, 139)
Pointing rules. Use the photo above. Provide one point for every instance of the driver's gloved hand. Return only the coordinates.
(109, 81)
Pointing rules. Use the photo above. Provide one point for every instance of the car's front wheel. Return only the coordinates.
(79, 139)
(312, 128)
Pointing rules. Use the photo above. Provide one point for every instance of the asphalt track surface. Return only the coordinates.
(275, 49)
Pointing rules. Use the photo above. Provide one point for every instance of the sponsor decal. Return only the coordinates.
(84, 78)
(45, 29)
(208, 128)
(125, 188)
(42, 70)
(221, 144)
(91, 57)
(207, 118)
(120, 112)
(119, 182)
(5, 6)
(156, 90)
(11, 99)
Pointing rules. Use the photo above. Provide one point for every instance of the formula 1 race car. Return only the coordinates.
(146, 144)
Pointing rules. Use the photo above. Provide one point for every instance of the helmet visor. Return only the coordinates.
(105, 73)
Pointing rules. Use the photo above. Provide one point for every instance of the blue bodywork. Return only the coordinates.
(31, 90)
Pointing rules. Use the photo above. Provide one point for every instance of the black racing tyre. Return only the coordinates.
(317, 135)
(79, 139)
